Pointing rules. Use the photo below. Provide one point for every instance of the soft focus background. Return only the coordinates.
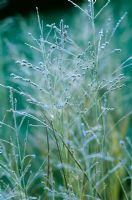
(19, 18)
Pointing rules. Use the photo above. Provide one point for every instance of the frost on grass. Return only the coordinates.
(69, 118)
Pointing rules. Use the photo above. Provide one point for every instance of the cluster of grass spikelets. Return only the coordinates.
(66, 142)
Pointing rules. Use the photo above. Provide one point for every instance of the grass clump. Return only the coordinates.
(67, 141)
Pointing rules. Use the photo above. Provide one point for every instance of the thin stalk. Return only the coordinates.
(59, 152)
(48, 147)
(48, 158)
